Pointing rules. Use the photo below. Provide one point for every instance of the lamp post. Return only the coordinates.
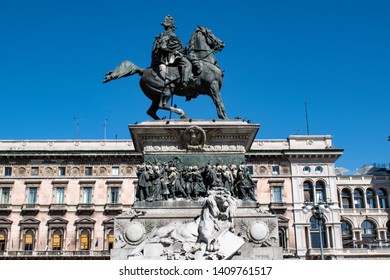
(318, 210)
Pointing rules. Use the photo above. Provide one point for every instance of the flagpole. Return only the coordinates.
(307, 120)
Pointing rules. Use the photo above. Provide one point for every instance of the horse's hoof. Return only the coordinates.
(184, 117)
(153, 115)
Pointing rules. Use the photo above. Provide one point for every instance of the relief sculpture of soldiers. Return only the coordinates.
(178, 70)
(169, 181)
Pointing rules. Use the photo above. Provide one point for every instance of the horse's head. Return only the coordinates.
(203, 39)
(214, 42)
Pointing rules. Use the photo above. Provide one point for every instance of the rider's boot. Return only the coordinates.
(164, 101)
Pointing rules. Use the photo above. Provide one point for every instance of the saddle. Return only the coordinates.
(171, 75)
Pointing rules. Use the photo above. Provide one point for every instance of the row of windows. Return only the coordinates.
(368, 229)
(305, 170)
(56, 241)
(115, 170)
(367, 199)
(369, 233)
(88, 171)
(315, 193)
(317, 169)
(86, 195)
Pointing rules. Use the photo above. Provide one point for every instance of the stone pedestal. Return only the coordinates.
(194, 142)
(257, 231)
(170, 229)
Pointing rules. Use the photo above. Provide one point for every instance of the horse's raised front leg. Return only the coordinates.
(163, 104)
(215, 95)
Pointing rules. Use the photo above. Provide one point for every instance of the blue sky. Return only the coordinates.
(333, 55)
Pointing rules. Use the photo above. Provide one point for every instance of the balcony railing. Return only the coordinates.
(374, 250)
(54, 254)
(85, 209)
(328, 252)
(29, 206)
(5, 209)
(30, 209)
(58, 209)
(113, 208)
(278, 207)
(364, 211)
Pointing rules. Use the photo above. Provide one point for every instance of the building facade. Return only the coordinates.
(364, 215)
(58, 199)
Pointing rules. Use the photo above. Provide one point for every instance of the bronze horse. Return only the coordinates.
(208, 81)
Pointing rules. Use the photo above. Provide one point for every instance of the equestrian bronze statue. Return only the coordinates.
(176, 70)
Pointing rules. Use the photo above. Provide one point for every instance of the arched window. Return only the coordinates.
(308, 191)
(110, 240)
(320, 192)
(56, 240)
(29, 237)
(370, 195)
(3, 240)
(368, 231)
(383, 202)
(282, 238)
(346, 231)
(358, 194)
(346, 198)
(85, 240)
(317, 232)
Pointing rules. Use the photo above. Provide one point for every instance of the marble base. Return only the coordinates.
(255, 233)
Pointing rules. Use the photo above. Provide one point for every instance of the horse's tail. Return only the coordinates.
(125, 69)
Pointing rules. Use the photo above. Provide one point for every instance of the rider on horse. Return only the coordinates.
(168, 50)
(180, 71)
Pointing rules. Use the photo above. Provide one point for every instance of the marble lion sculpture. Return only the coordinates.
(216, 219)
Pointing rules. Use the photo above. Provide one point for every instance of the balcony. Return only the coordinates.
(365, 211)
(5, 209)
(85, 209)
(113, 209)
(60, 255)
(278, 207)
(374, 250)
(30, 209)
(315, 253)
(58, 209)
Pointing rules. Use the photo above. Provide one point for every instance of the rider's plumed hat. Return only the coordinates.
(168, 22)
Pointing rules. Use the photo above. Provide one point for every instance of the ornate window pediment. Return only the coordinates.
(57, 222)
(5, 222)
(85, 223)
(273, 183)
(108, 223)
(29, 223)
(283, 220)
